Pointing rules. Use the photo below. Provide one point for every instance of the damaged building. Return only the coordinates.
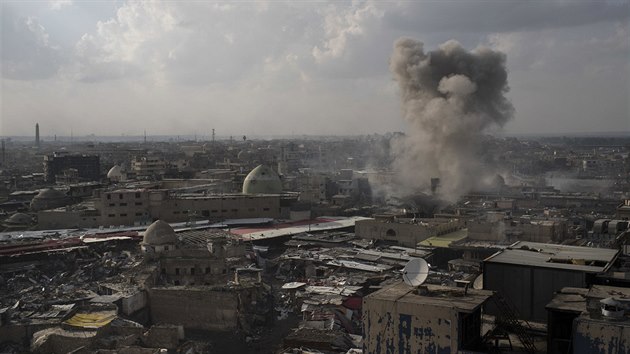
(428, 319)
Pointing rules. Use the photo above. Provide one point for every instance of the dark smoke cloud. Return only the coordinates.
(450, 97)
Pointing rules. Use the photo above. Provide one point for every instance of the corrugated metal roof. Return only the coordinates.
(587, 259)
(331, 223)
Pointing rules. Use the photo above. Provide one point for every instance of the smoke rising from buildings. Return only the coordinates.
(450, 97)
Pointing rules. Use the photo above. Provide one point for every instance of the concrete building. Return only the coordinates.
(148, 166)
(404, 231)
(428, 319)
(142, 206)
(623, 210)
(88, 167)
(528, 273)
(581, 320)
(191, 288)
(496, 227)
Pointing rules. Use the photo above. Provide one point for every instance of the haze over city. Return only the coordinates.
(283, 68)
(315, 177)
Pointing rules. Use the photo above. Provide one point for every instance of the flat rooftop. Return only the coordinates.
(433, 295)
(544, 255)
(444, 241)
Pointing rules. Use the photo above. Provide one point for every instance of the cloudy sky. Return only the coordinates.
(279, 68)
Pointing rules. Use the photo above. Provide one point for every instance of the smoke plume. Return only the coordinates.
(450, 97)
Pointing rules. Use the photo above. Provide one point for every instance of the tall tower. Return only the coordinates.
(37, 134)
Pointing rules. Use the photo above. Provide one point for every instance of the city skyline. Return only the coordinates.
(274, 69)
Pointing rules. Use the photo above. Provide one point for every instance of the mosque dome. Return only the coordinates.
(49, 199)
(262, 180)
(115, 173)
(159, 233)
(19, 219)
(50, 193)
(244, 155)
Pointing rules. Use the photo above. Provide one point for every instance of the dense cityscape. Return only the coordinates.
(298, 245)
(314, 177)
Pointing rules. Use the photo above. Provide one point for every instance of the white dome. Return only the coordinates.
(262, 180)
(115, 172)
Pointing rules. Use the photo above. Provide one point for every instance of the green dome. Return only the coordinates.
(262, 180)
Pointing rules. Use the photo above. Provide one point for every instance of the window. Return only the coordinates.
(163, 270)
(266, 209)
(176, 212)
(112, 204)
(137, 194)
(124, 214)
(176, 271)
(166, 248)
(139, 203)
(192, 271)
(176, 282)
(235, 210)
(111, 215)
(207, 270)
(109, 196)
(251, 209)
(185, 212)
(224, 210)
(224, 271)
(138, 214)
(123, 204)
(214, 211)
(120, 196)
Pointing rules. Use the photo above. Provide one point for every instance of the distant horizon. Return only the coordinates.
(223, 138)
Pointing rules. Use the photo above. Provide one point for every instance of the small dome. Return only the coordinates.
(50, 193)
(19, 219)
(262, 180)
(159, 233)
(115, 172)
(244, 155)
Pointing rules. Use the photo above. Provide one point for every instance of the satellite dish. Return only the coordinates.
(415, 272)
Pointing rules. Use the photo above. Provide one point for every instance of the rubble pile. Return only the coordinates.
(37, 290)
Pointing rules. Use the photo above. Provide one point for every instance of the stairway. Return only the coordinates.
(508, 320)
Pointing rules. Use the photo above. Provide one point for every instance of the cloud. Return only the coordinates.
(58, 4)
(127, 46)
(502, 16)
(568, 81)
(241, 62)
(27, 52)
(341, 25)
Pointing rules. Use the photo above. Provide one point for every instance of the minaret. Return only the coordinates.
(37, 134)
